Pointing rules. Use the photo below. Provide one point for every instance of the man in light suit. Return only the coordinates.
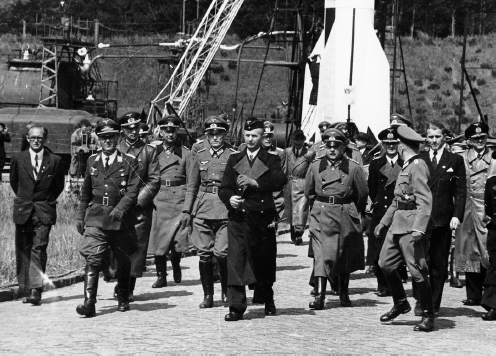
(37, 179)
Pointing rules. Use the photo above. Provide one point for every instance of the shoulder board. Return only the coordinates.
(185, 148)
(234, 150)
(152, 146)
(376, 157)
(94, 154)
(199, 141)
(203, 149)
(130, 155)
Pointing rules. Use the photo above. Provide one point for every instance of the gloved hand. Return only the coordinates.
(116, 215)
(417, 236)
(185, 218)
(245, 181)
(378, 229)
(80, 226)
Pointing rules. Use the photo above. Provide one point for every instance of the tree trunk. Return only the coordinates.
(412, 27)
(453, 23)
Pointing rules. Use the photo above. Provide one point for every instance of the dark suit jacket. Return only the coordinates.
(448, 187)
(4, 137)
(266, 170)
(40, 194)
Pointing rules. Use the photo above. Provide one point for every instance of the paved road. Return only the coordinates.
(169, 320)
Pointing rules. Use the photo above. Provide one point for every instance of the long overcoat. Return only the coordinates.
(335, 229)
(471, 236)
(167, 230)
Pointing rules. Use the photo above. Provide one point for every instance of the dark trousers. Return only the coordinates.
(237, 296)
(31, 242)
(438, 259)
(2, 164)
(474, 284)
(143, 227)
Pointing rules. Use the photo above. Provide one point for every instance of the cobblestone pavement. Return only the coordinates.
(169, 320)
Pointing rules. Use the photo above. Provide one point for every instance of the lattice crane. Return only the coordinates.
(200, 50)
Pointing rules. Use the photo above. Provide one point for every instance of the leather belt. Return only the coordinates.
(210, 189)
(172, 182)
(107, 201)
(402, 205)
(333, 199)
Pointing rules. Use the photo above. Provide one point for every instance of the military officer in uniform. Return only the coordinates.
(250, 178)
(106, 215)
(336, 187)
(323, 126)
(171, 220)
(399, 120)
(407, 219)
(471, 256)
(209, 214)
(383, 173)
(149, 173)
(297, 159)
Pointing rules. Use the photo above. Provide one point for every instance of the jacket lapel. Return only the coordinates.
(116, 165)
(45, 164)
(26, 163)
(442, 166)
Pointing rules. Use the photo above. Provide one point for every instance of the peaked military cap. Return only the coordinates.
(169, 121)
(362, 136)
(334, 135)
(408, 135)
(144, 129)
(269, 128)
(130, 119)
(107, 127)
(389, 135)
(324, 125)
(253, 123)
(399, 120)
(299, 135)
(216, 123)
(476, 130)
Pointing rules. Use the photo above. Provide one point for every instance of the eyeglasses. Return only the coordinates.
(34, 138)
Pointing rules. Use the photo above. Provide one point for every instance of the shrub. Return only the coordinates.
(476, 91)
(446, 93)
(472, 77)
(478, 50)
(217, 68)
(225, 77)
(458, 86)
(421, 91)
(446, 112)
(448, 69)
(481, 82)
(232, 65)
(223, 54)
(434, 86)
(472, 42)
(421, 98)
(418, 82)
(485, 65)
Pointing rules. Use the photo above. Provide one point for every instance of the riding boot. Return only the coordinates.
(425, 297)
(222, 263)
(175, 258)
(123, 281)
(270, 307)
(320, 289)
(454, 280)
(344, 282)
(161, 265)
(90, 289)
(207, 279)
(132, 285)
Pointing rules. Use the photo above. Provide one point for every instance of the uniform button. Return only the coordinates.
(106, 185)
(385, 206)
(261, 201)
(106, 193)
(322, 206)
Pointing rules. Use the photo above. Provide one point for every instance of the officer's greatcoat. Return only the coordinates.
(335, 227)
(471, 236)
(167, 230)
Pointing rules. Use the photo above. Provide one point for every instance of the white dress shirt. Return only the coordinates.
(111, 158)
(252, 155)
(392, 161)
(439, 153)
(33, 154)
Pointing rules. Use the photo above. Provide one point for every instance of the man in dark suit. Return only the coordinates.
(37, 178)
(250, 178)
(4, 137)
(448, 187)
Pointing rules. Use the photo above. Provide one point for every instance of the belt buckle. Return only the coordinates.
(167, 183)
(105, 201)
(215, 190)
(331, 200)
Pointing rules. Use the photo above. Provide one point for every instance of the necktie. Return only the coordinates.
(35, 168)
(107, 163)
(392, 163)
(434, 160)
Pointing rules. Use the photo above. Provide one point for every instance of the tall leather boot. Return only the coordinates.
(161, 265)
(270, 307)
(334, 283)
(425, 297)
(320, 289)
(90, 289)
(175, 258)
(222, 263)
(132, 285)
(207, 279)
(401, 305)
(344, 282)
(123, 281)
(454, 280)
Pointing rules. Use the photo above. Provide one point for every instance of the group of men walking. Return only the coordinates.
(165, 199)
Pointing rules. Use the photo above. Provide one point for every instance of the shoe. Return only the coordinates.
(320, 289)
(177, 273)
(270, 308)
(34, 298)
(87, 309)
(383, 293)
(298, 241)
(161, 281)
(233, 316)
(401, 307)
(345, 300)
(471, 302)
(123, 306)
(208, 302)
(489, 316)
(313, 292)
(417, 311)
(425, 325)
(455, 282)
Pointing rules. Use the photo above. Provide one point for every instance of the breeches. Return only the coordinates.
(210, 238)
